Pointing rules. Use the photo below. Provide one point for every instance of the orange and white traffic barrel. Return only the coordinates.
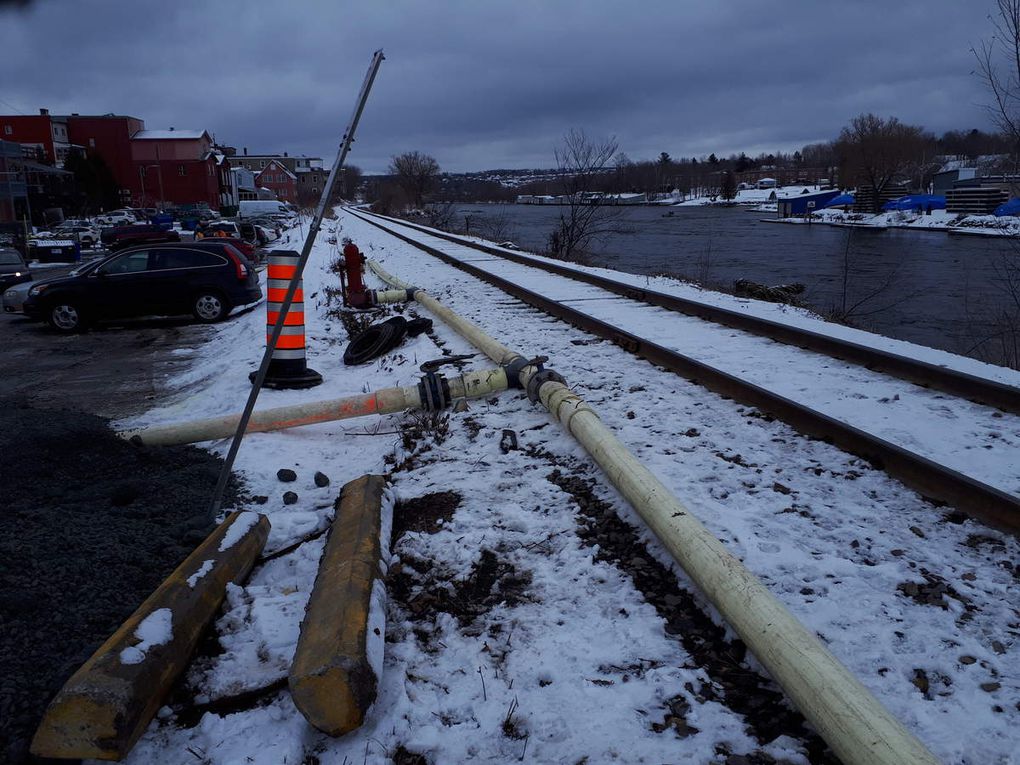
(288, 367)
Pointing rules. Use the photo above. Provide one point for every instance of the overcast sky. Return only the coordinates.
(484, 85)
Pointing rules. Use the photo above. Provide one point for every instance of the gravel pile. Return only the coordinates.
(90, 526)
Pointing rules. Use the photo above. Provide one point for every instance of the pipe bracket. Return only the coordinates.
(517, 364)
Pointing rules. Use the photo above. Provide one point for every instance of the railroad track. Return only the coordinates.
(955, 382)
(594, 307)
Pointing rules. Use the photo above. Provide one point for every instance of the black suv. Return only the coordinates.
(207, 280)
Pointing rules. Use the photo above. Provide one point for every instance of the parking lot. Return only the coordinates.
(110, 371)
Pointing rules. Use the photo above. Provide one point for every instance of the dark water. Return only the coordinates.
(926, 287)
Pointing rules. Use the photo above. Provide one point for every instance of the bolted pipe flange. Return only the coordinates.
(538, 379)
(434, 391)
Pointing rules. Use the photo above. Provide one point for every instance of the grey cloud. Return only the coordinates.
(483, 85)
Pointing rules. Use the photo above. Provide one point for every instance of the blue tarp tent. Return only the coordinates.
(843, 200)
(916, 202)
(1012, 207)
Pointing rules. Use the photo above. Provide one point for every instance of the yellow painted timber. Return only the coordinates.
(332, 680)
(107, 704)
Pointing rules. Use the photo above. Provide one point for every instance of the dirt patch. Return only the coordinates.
(427, 513)
(424, 588)
(764, 708)
(91, 526)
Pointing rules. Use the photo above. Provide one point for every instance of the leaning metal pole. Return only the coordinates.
(313, 229)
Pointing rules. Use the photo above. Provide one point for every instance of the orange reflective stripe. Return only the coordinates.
(278, 295)
(289, 342)
(282, 272)
(294, 319)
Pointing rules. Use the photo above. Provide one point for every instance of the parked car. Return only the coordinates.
(13, 298)
(87, 235)
(219, 228)
(13, 269)
(119, 237)
(244, 247)
(116, 218)
(207, 281)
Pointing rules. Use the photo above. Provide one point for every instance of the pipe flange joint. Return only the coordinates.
(517, 364)
(434, 391)
(539, 379)
(410, 294)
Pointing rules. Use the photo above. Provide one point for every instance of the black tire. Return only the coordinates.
(375, 341)
(416, 326)
(210, 307)
(66, 317)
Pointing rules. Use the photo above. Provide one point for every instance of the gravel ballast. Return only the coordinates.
(91, 525)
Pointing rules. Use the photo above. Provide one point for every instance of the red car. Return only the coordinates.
(119, 237)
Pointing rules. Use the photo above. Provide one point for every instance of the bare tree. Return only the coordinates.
(996, 337)
(857, 304)
(728, 186)
(875, 152)
(999, 68)
(582, 163)
(440, 215)
(416, 173)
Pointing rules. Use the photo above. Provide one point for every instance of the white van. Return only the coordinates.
(254, 208)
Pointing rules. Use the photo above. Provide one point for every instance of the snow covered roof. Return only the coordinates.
(163, 135)
(277, 166)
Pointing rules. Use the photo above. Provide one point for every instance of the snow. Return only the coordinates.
(162, 135)
(238, 529)
(585, 656)
(204, 569)
(154, 630)
(973, 439)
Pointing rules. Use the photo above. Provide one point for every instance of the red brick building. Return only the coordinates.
(42, 137)
(175, 167)
(109, 136)
(278, 179)
(150, 167)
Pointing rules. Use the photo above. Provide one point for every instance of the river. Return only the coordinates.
(927, 287)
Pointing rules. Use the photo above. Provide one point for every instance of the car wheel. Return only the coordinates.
(66, 317)
(210, 307)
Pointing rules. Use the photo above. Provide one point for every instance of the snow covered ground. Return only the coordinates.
(523, 624)
(939, 220)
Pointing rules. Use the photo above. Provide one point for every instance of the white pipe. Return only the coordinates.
(851, 720)
(475, 384)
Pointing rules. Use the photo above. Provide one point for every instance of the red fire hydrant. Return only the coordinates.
(354, 265)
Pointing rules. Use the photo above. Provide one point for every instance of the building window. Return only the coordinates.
(8, 130)
(92, 143)
(182, 170)
(262, 163)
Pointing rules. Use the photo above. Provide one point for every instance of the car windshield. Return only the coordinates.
(10, 259)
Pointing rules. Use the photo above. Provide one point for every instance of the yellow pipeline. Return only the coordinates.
(851, 720)
(475, 384)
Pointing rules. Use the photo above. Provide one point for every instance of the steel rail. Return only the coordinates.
(925, 374)
(927, 477)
